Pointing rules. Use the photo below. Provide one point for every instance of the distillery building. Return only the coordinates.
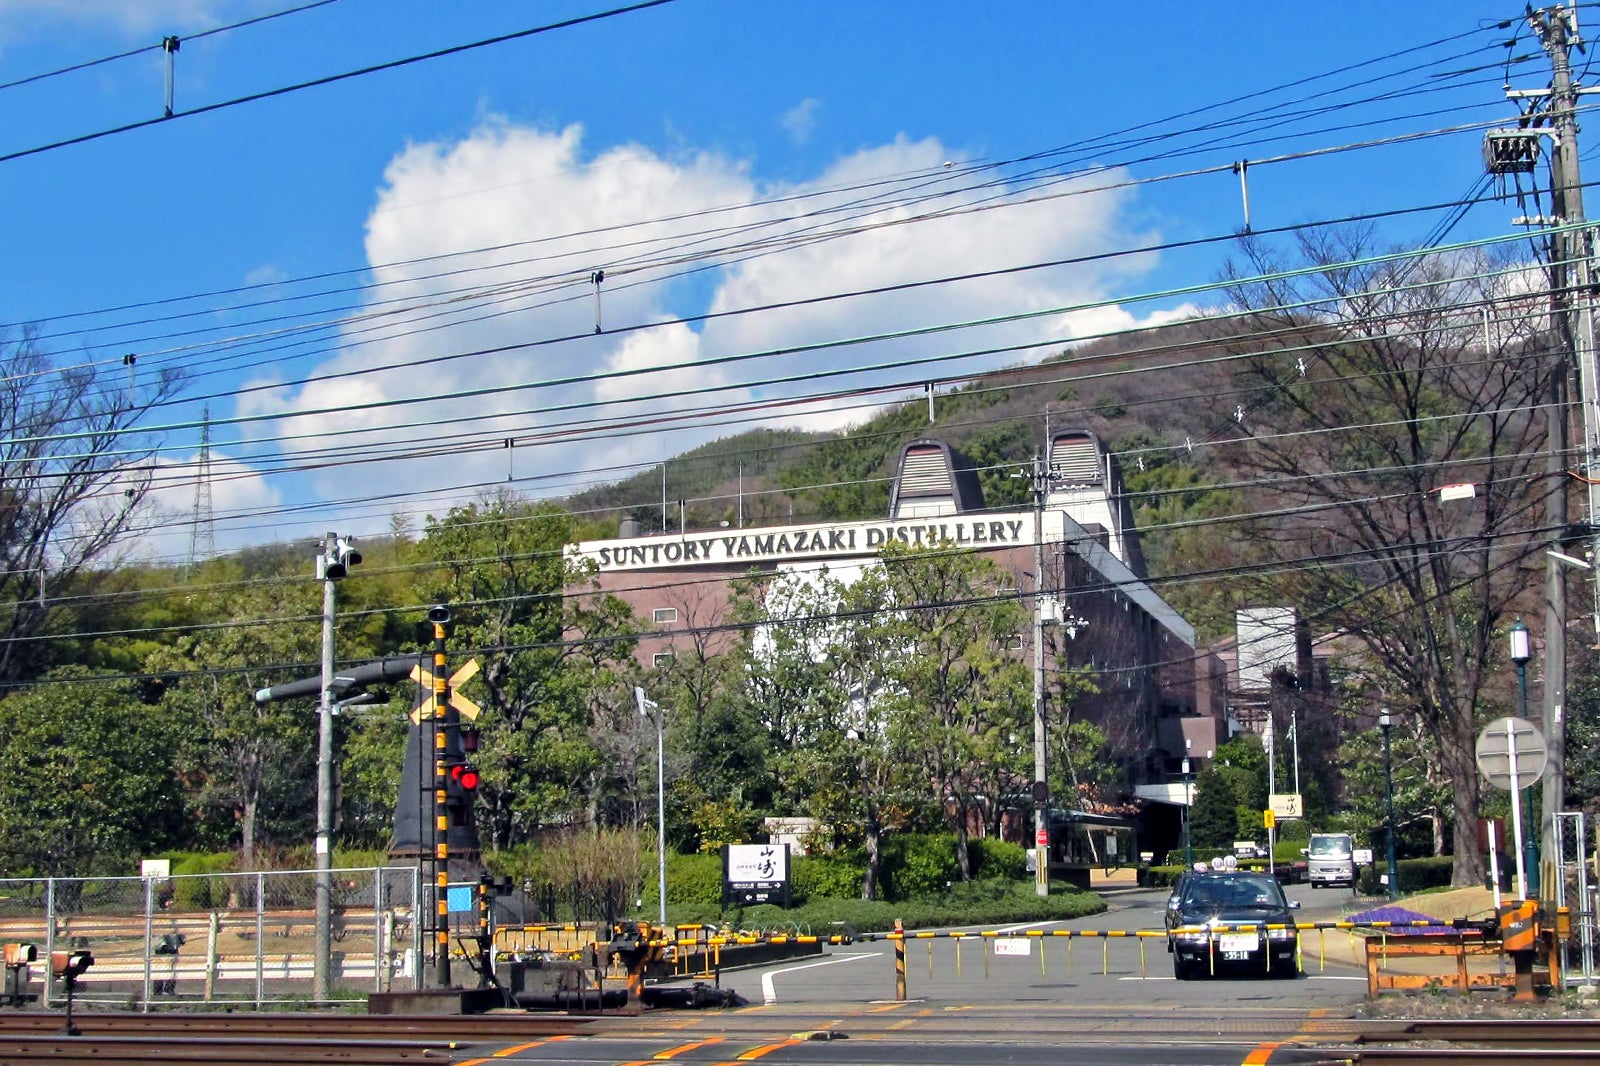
(1094, 601)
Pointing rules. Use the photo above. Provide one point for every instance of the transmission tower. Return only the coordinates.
(202, 537)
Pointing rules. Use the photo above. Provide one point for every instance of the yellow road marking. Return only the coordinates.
(1262, 1053)
(681, 1048)
(506, 1052)
(766, 1049)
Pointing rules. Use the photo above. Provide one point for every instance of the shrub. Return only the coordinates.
(692, 880)
(918, 864)
(1162, 876)
(827, 877)
(1416, 875)
(977, 903)
(991, 857)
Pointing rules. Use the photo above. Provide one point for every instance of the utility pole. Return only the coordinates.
(334, 561)
(1571, 309)
(1039, 477)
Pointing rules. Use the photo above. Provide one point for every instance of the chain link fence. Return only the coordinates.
(246, 938)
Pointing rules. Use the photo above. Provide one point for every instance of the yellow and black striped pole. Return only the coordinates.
(899, 960)
(441, 814)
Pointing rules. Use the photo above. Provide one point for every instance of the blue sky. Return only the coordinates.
(344, 229)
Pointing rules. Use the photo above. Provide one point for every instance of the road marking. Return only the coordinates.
(507, 1052)
(681, 1048)
(769, 994)
(1029, 925)
(1262, 1054)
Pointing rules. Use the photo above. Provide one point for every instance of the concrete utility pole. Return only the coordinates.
(1571, 308)
(334, 560)
(324, 843)
(1039, 481)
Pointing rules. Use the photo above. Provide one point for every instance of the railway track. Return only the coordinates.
(1494, 1042)
(266, 1039)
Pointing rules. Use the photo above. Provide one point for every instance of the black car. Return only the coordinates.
(1203, 914)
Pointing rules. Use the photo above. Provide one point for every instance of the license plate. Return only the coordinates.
(1235, 956)
(1234, 943)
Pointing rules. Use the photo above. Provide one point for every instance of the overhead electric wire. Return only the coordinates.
(330, 79)
(160, 45)
(663, 238)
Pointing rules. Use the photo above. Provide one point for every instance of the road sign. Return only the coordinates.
(1269, 819)
(1512, 750)
(1286, 805)
(425, 705)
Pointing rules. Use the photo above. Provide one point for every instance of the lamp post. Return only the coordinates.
(1527, 851)
(651, 709)
(1188, 816)
(1384, 723)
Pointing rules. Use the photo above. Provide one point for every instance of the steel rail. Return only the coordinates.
(269, 1025)
(246, 1051)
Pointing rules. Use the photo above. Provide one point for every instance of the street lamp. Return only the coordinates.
(651, 709)
(1384, 722)
(1528, 855)
(1188, 816)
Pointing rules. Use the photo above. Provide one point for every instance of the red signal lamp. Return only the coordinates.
(465, 776)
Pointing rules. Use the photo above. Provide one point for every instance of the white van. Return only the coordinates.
(1330, 860)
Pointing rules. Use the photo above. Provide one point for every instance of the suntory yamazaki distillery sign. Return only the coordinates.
(781, 543)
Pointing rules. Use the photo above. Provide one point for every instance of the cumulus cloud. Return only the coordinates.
(566, 273)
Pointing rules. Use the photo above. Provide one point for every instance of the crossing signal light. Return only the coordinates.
(339, 556)
(464, 776)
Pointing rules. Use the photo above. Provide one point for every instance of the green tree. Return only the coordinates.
(250, 767)
(547, 660)
(957, 700)
(88, 778)
(1422, 794)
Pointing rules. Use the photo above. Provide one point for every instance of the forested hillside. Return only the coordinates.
(1270, 457)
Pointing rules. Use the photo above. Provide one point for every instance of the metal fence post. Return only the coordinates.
(148, 883)
(213, 931)
(261, 934)
(377, 930)
(49, 935)
(416, 925)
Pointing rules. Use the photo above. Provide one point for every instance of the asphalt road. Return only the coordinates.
(1109, 1001)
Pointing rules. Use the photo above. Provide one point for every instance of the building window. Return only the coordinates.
(662, 658)
(666, 614)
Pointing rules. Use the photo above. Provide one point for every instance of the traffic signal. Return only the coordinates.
(463, 780)
(339, 555)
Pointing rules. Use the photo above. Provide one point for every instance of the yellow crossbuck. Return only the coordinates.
(426, 708)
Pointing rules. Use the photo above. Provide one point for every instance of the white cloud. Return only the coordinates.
(493, 239)
(801, 119)
(892, 250)
(236, 489)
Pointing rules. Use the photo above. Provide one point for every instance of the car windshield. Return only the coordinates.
(1329, 846)
(1236, 892)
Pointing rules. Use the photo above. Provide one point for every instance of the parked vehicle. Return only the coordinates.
(1202, 901)
(1330, 859)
